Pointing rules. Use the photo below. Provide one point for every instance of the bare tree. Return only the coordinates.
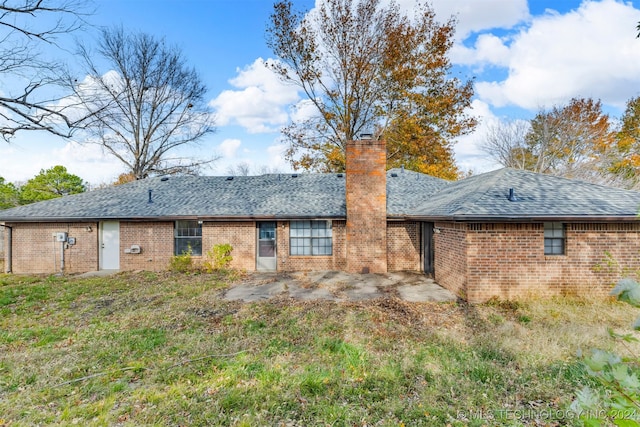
(148, 108)
(240, 169)
(32, 84)
(245, 169)
(505, 143)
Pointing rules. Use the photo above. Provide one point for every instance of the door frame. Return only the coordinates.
(114, 250)
(267, 263)
(428, 248)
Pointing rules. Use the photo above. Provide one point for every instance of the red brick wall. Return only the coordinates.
(240, 235)
(36, 251)
(403, 246)
(507, 260)
(337, 261)
(155, 240)
(366, 182)
(450, 260)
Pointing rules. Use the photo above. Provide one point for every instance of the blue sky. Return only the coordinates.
(524, 55)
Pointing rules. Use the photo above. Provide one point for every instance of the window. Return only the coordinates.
(554, 238)
(310, 238)
(188, 237)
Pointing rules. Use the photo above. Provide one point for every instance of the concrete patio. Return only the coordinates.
(338, 286)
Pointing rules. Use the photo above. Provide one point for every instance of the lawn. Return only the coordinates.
(164, 349)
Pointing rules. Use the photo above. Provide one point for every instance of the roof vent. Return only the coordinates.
(512, 195)
(229, 178)
(402, 168)
(295, 175)
(150, 196)
(340, 175)
(164, 178)
(394, 175)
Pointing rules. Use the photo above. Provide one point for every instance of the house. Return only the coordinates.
(506, 233)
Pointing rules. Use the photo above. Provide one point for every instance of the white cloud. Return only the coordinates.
(276, 157)
(591, 52)
(88, 161)
(469, 156)
(476, 15)
(229, 147)
(25, 158)
(260, 104)
(488, 49)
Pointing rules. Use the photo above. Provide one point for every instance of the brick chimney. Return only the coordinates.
(366, 186)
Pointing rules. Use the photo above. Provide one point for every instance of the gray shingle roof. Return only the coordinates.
(409, 194)
(486, 196)
(306, 195)
(407, 190)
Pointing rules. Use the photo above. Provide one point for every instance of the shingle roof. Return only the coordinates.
(407, 190)
(409, 194)
(276, 195)
(486, 196)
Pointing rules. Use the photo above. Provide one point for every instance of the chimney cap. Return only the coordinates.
(366, 136)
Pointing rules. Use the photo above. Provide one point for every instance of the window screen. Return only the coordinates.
(554, 238)
(310, 238)
(187, 237)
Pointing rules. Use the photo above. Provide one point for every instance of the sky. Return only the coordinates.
(522, 55)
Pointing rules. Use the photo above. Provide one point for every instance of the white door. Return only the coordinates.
(110, 245)
(266, 248)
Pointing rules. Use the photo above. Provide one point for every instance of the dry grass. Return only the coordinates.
(165, 349)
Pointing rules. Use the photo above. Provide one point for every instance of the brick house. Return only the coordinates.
(506, 233)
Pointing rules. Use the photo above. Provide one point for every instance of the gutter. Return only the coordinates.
(176, 218)
(426, 218)
(8, 259)
(526, 219)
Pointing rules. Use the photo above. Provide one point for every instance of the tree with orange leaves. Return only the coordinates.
(571, 140)
(625, 156)
(368, 68)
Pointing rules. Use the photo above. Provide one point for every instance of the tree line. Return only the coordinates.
(577, 140)
(48, 184)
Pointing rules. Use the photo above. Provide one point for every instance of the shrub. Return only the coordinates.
(182, 263)
(218, 258)
(619, 401)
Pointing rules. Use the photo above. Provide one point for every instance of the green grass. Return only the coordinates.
(165, 349)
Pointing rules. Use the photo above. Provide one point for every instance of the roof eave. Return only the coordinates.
(528, 218)
(172, 218)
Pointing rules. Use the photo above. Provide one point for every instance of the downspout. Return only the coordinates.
(8, 256)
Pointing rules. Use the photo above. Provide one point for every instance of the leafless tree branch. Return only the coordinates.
(32, 85)
(149, 107)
